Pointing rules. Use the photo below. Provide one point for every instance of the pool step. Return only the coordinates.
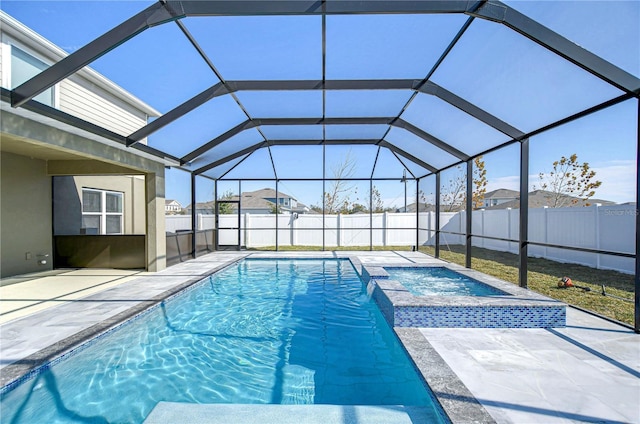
(172, 412)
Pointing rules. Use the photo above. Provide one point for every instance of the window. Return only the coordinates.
(101, 211)
(24, 67)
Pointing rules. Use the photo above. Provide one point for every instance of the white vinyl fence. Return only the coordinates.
(609, 228)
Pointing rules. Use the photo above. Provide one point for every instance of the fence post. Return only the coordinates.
(428, 237)
(246, 229)
(509, 229)
(545, 230)
(483, 231)
(597, 232)
(384, 228)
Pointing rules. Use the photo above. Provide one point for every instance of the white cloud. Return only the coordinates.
(618, 181)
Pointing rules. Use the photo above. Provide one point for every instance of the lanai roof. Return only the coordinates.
(415, 85)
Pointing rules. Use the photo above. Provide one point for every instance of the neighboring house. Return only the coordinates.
(202, 208)
(265, 200)
(261, 201)
(543, 198)
(172, 207)
(411, 207)
(60, 181)
(499, 196)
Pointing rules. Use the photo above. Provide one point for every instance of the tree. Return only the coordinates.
(423, 203)
(316, 208)
(225, 208)
(479, 183)
(453, 196)
(569, 182)
(337, 199)
(376, 200)
(275, 209)
(358, 208)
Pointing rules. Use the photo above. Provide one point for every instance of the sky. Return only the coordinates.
(492, 67)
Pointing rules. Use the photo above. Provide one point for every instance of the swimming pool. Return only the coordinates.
(440, 281)
(261, 331)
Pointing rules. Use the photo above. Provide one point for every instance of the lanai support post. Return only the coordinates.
(523, 234)
(437, 252)
(417, 215)
(636, 326)
(469, 207)
(216, 232)
(194, 216)
(277, 217)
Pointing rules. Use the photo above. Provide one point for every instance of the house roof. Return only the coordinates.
(266, 193)
(256, 200)
(411, 207)
(501, 193)
(203, 205)
(542, 198)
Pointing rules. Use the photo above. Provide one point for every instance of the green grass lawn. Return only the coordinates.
(543, 276)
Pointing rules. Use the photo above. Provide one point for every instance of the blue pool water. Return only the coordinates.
(440, 281)
(261, 331)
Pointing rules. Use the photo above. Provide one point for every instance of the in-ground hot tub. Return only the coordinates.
(440, 281)
(453, 296)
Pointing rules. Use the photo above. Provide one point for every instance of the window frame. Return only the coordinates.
(7, 45)
(103, 213)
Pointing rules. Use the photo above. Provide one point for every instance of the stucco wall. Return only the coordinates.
(25, 214)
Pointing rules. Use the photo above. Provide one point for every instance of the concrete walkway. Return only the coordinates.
(586, 372)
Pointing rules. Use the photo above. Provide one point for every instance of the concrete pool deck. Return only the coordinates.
(587, 371)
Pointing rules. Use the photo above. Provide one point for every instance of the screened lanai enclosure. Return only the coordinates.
(378, 124)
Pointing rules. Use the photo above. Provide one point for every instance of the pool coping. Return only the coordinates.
(453, 397)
